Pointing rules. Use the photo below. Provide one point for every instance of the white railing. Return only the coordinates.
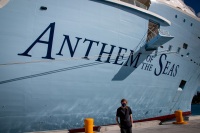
(151, 34)
(164, 32)
(136, 3)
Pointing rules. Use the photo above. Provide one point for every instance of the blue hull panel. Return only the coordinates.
(78, 59)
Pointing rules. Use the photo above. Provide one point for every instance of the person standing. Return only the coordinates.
(124, 113)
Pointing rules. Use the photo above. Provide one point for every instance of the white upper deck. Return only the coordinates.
(178, 4)
(145, 4)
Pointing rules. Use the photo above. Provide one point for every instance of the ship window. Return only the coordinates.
(182, 85)
(184, 20)
(43, 8)
(191, 24)
(178, 50)
(176, 16)
(170, 48)
(199, 37)
(185, 46)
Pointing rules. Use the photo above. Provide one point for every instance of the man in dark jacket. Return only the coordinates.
(124, 113)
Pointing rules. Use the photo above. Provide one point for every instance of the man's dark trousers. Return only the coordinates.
(126, 130)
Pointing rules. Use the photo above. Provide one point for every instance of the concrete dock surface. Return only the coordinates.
(193, 126)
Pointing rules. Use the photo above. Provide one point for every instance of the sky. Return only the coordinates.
(195, 4)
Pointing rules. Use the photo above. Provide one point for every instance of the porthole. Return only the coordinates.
(176, 16)
(185, 46)
(43, 8)
(156, 52)
(191, 24)
(178, 50)
(170, 48)
(184, 20)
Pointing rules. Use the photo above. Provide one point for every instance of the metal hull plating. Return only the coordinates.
(74, 60)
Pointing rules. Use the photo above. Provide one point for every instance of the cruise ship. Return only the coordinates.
(62, 61)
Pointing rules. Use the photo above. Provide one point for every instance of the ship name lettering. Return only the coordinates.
(131, 60)
(51, 27)
(165, 67)
(119, 56)
(72, 49)
(147, 66)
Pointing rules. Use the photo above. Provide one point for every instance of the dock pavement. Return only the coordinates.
(193, 126)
